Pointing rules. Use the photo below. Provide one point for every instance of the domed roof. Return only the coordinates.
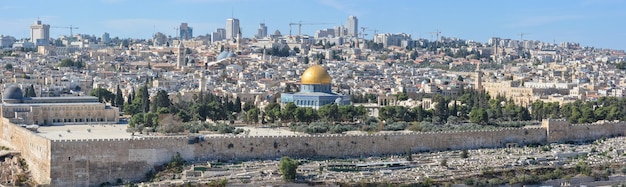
(315, 74)
(13, 93)
(226, 54)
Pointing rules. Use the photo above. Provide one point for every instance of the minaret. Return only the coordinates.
(181, 56)
(238, 41)
(202, 86)
(479, 81)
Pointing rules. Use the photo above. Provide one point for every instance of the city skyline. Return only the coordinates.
(590, 23)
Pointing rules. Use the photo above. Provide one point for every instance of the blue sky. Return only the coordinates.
(598, 23)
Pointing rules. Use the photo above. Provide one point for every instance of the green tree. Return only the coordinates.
(237, 105)
(176, 163)
(252, 115)
(441, 109)
(402, 96)
(479, 115)
(311, 114)
(132, 108)
(151, 119)
(272, 112)
(287, 113)
(70, 63)
(119, 99)
(329, 112)
(161, 100)
(288, 167)
(103, 95)
(26, 91)
(30, 91)
(300, 114)
(454, 111)
(136, 120)
(145, 98)
(8, 67)
(183, 116)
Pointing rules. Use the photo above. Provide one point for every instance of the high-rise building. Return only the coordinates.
(39, 33)
(340, 31)
(159, 39)
(218, 35)
(388, 39)
(262, 32)
(352, 24)
(325, 33)
(105, 38)
(232, 28)
(185, 32)
(6, 41)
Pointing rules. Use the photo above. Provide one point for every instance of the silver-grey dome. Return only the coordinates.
(226, 54)
(12, 93)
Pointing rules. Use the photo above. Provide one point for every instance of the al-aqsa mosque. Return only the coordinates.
(54, 110)
(315, 90)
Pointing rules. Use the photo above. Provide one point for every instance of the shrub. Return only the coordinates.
(288, 167)
(464, 154)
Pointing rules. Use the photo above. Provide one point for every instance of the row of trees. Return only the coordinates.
(146, 112)
(105, 95)
(331, 113)
(70, 63)
(605, 108)
(281, 52)
(472, 105)
(363, 98)
(479, 107)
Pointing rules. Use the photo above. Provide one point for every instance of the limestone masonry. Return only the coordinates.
(90, 162)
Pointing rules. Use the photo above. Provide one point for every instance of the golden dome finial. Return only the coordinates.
(315, 74)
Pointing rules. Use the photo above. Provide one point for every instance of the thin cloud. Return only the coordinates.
(542, 20)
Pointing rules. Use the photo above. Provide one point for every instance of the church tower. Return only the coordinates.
(180, 61)
(479, 81)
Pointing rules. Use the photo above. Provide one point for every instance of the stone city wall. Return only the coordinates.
(559, 130)
(92, 162)
(34, 149)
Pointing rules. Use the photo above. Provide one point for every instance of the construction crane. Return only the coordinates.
(521, 42)
(375, 32)
(521, 36)
(70, 27)
(299, 24)
(363, 31)
(437, 40)
(362, 37)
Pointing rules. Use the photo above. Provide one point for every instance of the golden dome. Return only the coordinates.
(315, 74)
